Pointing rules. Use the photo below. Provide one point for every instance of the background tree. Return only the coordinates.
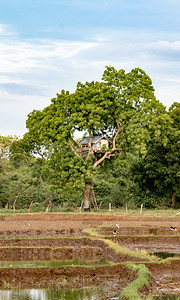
(21, 176)
(115, 184)
(5, 146)
(159, 171)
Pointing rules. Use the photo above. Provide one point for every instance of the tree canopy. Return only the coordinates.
(122, 107)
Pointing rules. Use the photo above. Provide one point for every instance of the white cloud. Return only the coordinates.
(14, 111)
(7, 79)
(33, 71)
(20, 56)
(2, 29)
(5, 30)
(164, 45)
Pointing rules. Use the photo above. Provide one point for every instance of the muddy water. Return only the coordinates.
(164, 255)
(51, 264)
(49, 294)
(67, 294)
(166, 297)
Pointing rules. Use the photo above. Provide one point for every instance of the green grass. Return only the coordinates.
(52, 263)
(169, 212)
(119, 249)
(131, 292)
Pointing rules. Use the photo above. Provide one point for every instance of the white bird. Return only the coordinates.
(117, 228)
(173, 228)
(29, 224)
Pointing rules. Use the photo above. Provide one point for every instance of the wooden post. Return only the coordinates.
(109, 206)
(141, 208)
(14, 204)
(126, 207)
(100, 205)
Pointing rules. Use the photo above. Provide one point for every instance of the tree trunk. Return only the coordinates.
(14, 204)
(49, 206)
(30, 205)
(86, 196)
(88, 191)
(41, 179)
(93, 197)
(173, 199)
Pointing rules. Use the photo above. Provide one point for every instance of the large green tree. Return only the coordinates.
(122, 106)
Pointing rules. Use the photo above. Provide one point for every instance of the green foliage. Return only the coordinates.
(139, 113)
(22, 186)
(121, 103)
(37, 207)
(141, 164)
(158, 173)
(114, 183)
(5, 146)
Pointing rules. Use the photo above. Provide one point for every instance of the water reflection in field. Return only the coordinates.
(66, 294)
(167, 297)
(49, 294)
(165, 255)
(51, 263)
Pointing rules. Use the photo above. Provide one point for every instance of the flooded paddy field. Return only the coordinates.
(150, 243)
(49, 294)
(60, 254)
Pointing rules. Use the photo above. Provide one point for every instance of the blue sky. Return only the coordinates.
(49, 45)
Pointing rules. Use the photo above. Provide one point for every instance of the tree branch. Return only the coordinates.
(106, 155)
(73, 150)
(76, 144)
(116, 135)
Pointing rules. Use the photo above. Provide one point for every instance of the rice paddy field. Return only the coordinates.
(90, 256)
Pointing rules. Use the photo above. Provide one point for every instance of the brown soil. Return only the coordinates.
(61, 237)
(62, 249)
(54, 225)
(39, 277)
(170, 244)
